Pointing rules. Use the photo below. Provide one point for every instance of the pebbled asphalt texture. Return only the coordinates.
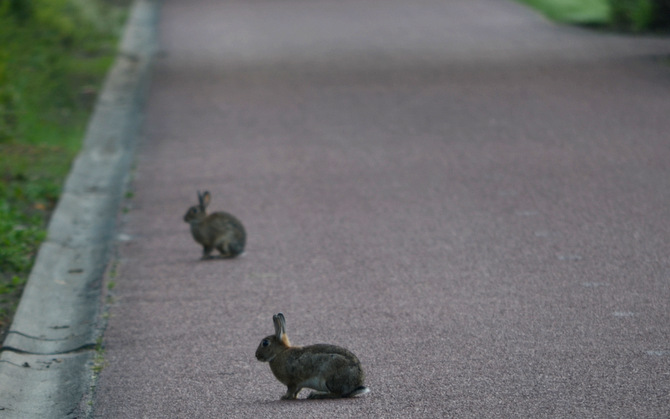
(473, 200)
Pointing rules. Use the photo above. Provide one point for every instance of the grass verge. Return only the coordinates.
(576, 12)
(54, 57)
(637, 16)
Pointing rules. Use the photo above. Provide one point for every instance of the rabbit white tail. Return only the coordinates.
(359, 391)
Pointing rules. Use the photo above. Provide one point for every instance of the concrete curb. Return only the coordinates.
(46, 359)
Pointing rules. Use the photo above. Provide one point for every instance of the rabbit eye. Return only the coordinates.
(265, 342)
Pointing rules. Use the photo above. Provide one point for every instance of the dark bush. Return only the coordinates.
(641, 15)
(20, 9)
(663, 14)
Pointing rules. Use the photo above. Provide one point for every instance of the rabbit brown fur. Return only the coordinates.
(219, 230)
(332, 371)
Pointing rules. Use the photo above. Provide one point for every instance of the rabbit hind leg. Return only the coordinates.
(224, 249)
(206, 250)
(291, 393)
(319, 395)
(229, 248)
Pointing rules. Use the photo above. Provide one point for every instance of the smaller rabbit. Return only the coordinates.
(218, 230)
(332, 371)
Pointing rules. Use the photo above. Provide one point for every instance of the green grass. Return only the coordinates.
(621, 15)
(54, 55)
(579, 12)
(641, 15)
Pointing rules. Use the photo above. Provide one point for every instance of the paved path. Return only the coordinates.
(473, 200)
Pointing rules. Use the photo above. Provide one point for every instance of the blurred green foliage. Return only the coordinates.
(581, 12)
(54, 55)
(624, 15)
(640, 15)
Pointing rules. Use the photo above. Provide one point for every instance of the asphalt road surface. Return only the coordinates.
(473, 200)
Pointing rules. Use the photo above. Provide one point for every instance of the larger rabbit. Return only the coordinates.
(332, 371)
(219, 230)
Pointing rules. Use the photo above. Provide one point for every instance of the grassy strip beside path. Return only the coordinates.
(54, 55)
(621, 15)
(579, 12)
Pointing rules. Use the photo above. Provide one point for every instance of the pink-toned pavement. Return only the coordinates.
(473, 200)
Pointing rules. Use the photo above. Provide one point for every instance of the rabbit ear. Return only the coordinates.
(280, 328)
(280, 325)
(205, 198)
